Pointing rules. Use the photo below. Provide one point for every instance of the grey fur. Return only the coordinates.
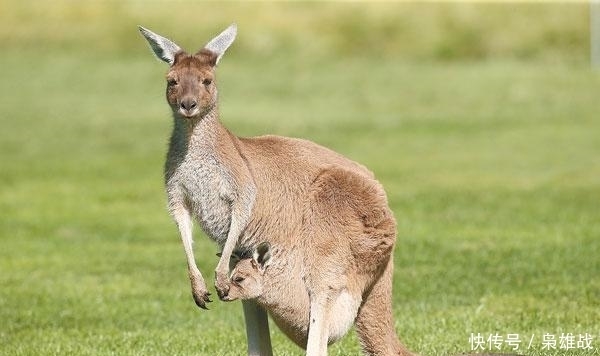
(163, 48)
(220, 43)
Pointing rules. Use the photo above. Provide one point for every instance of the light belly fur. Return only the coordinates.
(209, 197)
(342, 315)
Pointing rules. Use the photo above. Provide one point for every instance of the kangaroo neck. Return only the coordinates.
(205, 134)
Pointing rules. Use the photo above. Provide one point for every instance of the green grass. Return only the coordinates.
(490, 157)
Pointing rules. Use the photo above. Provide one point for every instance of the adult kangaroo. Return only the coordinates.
(244, 191)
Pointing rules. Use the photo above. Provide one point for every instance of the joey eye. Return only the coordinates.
(172, 82)
(207, 81)
(238, 279)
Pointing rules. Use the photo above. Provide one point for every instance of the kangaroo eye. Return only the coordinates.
(238, 279)
(172, 82)
(207, 81)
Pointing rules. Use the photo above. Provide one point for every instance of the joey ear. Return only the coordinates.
(163, 48)
(221, 42)
(262, 255)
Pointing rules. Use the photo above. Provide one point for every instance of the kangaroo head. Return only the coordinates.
(191, 88)
(247, 277)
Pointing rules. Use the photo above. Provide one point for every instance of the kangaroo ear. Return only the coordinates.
(163, 48)
(219, 44)
(262, 255)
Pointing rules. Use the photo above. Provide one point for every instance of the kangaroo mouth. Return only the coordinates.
(189, 114)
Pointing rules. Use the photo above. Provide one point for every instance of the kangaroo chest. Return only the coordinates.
(208, 191)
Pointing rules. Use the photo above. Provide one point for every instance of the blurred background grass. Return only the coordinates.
(556, 32)
(480, 119)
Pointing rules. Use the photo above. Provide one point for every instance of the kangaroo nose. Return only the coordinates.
(189, 104)
(223, 294)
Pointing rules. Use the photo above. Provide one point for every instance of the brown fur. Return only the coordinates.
(291, 192)
(348, 237)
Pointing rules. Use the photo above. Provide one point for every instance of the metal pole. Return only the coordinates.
(595, 33)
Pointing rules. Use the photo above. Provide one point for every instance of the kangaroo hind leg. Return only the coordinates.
(317, 329)
(375, 320)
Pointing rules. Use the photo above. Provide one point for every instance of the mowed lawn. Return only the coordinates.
(492, 168)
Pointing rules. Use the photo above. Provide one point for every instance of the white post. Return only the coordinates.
(595, 33)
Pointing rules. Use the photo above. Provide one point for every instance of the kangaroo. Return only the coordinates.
(244, 191)
(272, 277)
